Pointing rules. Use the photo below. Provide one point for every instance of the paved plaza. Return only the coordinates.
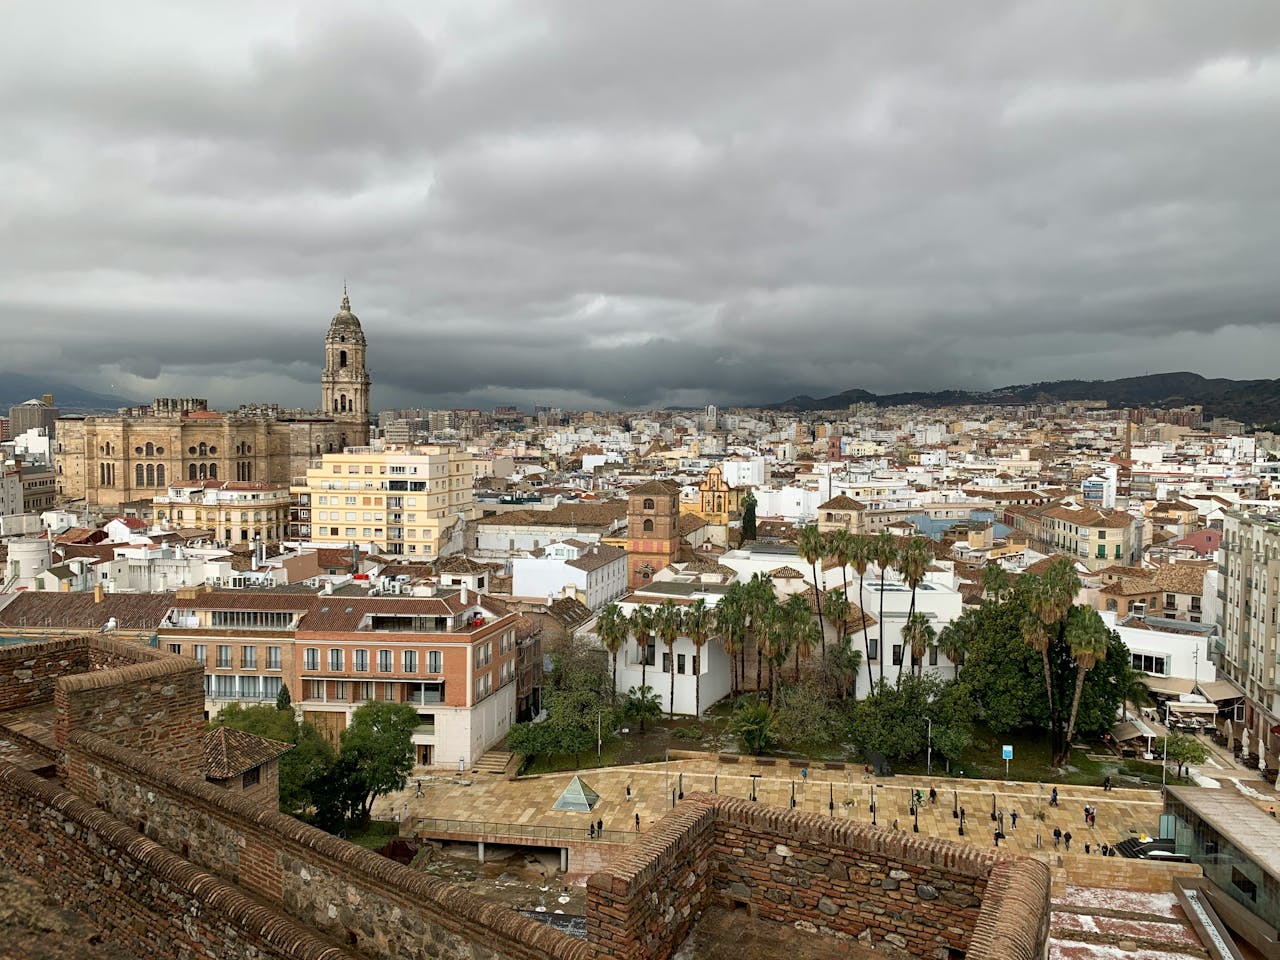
(1121, 813)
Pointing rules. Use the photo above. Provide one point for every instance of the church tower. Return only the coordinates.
(344, 385)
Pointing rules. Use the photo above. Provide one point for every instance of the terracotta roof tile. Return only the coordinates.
(229, 752)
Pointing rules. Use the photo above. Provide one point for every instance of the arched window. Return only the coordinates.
(648, 526)
(213, 471)
(648, 503)
(159, 474)
(204, 450)
(138, 476)
(191, 471)
(1111, 605)
(204, 471)
(151, 474)
(342, 358)
(151, 449)
(248, 471)
(335, 404)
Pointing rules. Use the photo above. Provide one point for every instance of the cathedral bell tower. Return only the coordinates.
(344, 385)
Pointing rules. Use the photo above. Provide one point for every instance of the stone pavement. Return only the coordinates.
(1121, 813)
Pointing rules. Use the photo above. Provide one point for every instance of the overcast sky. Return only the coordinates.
(598, 204)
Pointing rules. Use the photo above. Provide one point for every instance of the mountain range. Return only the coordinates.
(18, 388)
(1255, 402)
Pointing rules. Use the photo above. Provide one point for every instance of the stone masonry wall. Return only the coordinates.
(645, 902)
(918, 896)
(380, 908)
(155, 706)
(907, 896)
(28, 671)
(151, 904)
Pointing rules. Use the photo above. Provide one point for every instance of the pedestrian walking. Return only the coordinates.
(1066, 840)
(997, 833)
(628, 791)
(600, 828)
(637, 823)
(1053, 797)
(1086, 847)
(1057, 837)
(1013, 818)
(933, 796)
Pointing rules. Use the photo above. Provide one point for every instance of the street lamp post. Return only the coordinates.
(929, 750)
(1164, 764)
(873, 804)
(955, 804)
(1039, 811)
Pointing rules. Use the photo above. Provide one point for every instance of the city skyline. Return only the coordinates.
(639, 206)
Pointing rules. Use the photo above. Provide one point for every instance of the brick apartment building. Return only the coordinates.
(452, 657)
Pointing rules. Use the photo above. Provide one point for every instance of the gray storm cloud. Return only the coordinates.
(631, 204)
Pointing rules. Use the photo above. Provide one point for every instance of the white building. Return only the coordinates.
(596, 572)
(712, 664)
(1166, 649)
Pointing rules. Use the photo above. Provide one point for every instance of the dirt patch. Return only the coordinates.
(522, 878)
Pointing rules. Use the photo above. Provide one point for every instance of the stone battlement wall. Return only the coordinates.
(150, 903)
(909, 896)
(140, 698)
(29, 671)
(355, 896)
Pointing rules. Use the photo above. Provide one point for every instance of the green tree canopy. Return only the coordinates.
(303, 768)
(379, 743)
(806, 718)
(752, 724)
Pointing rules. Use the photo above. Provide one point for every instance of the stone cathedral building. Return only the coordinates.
(138, 452)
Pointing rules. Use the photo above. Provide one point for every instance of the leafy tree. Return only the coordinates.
(532, 739)
(378, 741)
(918, 634)
(760, 601)
(1182, 750)
(283, 700)
(835, 604)
(642, 704)
(891, 720)
(575, 716)
(1049, 598)
(806, 719)
(955, 638)
(996, 582)
(308, 764)
(752, 724)
(749, 516)
(952, 740)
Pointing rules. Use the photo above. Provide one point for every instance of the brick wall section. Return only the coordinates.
(155, 706)
(835, 877)
(1014, 922)
(151, 904)
(351, 894)
(28, 671)
(644, 904)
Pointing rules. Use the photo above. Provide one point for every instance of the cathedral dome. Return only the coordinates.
(345, 325)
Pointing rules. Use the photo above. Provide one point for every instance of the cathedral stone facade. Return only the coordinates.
(139, 452)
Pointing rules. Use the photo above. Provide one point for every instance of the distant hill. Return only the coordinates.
(18, 388)
(1251, 401)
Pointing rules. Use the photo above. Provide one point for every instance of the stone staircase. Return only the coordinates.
(495, 761)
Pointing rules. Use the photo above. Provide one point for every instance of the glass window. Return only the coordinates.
(411, 661)
(273, 658)
(249, 658)
(384, 661)
(200, 652)
(361, 658)
(224, 655)
(435, 661)
(335, 658)
(311, 659)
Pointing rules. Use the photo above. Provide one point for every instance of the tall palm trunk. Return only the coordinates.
(866, 640)
(1081, 670)
(881, 624)
(817, 596)
(671, 704)
(615, 678)
(697, 692)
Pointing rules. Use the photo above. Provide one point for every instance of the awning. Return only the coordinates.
(1220, 691)
(1170, 686)
(1185, 708)
(1131, 730)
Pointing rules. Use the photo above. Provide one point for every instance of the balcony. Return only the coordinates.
(425, 699)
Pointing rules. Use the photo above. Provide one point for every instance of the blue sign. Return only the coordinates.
(1006, 752)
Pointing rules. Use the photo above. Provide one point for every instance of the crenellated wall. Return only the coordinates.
(907, 896)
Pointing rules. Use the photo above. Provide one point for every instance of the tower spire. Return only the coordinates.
(346, 304)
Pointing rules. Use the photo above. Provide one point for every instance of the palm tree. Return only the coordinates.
(730, 617)
(1036, 635)
(1087, 636)
(760, 600)
(805, 635)
(913, 561)
(780, 633)
(918, 634)
(642, 704)
(995, 581)
(958, 636)
(641, 624)
(812, 547)
(668, 626)
(839, 549)
(612, 630)
(859, 558)
(1050, 598)
(836, 606)
(698, 623)
(884, 550)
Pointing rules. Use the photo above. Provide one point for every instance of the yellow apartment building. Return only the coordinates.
(401, 500)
